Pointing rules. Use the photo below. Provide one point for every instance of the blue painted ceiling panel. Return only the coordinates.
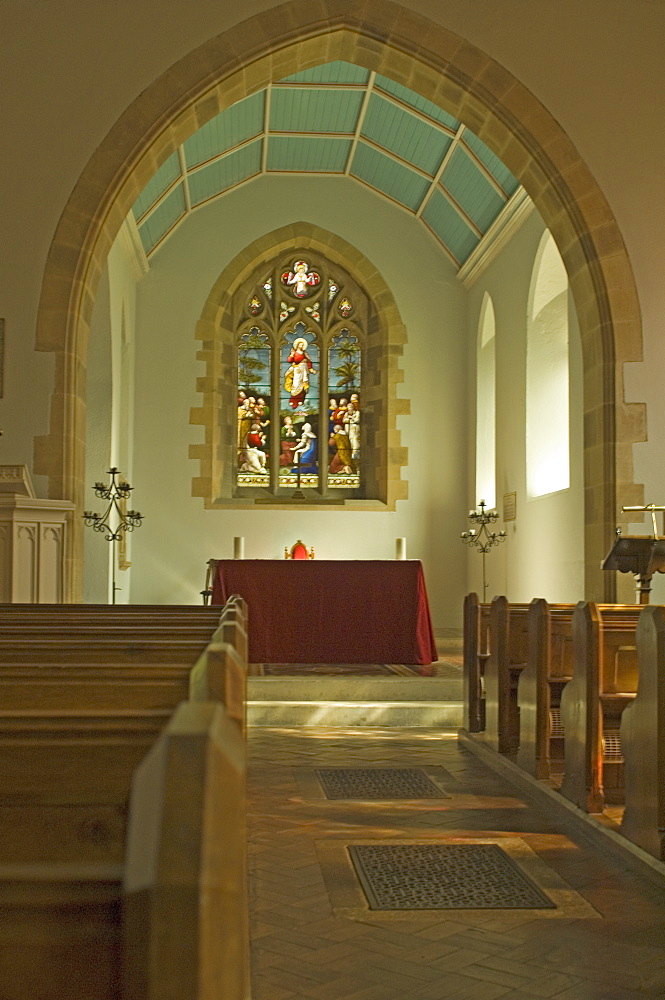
(449, 226)
(225, 173)
(405, 135)
(238, 123)
(388, 176)
(404, 139)
(157, 185)
(499, 170)
(416, 101)
(471, 189)
(164, 217)
(303, 110)
(312, 154)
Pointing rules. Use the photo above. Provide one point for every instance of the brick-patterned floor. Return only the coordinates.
(313, 937)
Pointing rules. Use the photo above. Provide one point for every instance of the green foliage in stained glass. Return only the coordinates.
(253, 358)
(345, 361)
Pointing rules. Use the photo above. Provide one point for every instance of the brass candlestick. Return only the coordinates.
(481, 538)
(115, 520)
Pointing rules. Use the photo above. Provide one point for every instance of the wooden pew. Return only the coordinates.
(220, 673)
(64, 782)
(71, 735)
(508, 650)
(643, 740)
(185, 882)
(475, 654)
(99, 650)
(60, 931)
(604, 682)
(549, 668)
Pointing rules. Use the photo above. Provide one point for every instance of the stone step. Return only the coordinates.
(355, 701)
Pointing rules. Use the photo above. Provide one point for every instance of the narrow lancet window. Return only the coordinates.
(254, 408)
(344, 410)
(299, 410)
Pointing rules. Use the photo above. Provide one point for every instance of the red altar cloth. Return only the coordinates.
(331, 611)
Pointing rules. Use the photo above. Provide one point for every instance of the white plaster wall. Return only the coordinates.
(99, 385)
(178, 537)
(110, 413)
(543, 555)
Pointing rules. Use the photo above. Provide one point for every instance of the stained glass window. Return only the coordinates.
(344, 411)
(300, 423)
(299, 409)
(254, 405)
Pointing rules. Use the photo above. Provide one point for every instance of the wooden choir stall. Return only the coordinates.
(575, 696)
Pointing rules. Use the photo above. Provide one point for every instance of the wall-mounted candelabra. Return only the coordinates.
(116, 519)
(480, 537)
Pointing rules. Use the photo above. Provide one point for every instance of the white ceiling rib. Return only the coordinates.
(359, 124)
(409, 156)
(442, 166)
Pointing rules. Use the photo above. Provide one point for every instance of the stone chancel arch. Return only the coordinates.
(451, 72)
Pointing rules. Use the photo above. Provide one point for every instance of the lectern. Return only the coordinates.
(641, 555)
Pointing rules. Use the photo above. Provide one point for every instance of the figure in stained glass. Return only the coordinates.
(254, 365)
(305, 451)
(300, 279)
(337, 415)
(332, 409)
(296, 379)
(288, 442)
(352, 428)
(344, 449)
(253, 457)
(299, 406)
(342, 460)
(262, 412)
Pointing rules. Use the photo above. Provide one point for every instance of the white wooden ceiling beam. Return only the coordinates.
(359, 123)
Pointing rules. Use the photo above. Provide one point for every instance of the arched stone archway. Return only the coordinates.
(446, 69)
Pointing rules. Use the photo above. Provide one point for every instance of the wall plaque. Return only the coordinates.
(509, 506)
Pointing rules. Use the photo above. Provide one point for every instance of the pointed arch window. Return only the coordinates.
(486, 405)
(547, 375)
(301, 327)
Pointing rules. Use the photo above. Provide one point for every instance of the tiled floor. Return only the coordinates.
(313, 937)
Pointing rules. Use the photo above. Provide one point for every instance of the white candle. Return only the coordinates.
(238, 548)
(400, 548)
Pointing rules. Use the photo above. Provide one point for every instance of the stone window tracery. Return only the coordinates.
(299, 381)
(354, 337)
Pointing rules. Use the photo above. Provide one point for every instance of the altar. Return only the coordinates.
(331, 611)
